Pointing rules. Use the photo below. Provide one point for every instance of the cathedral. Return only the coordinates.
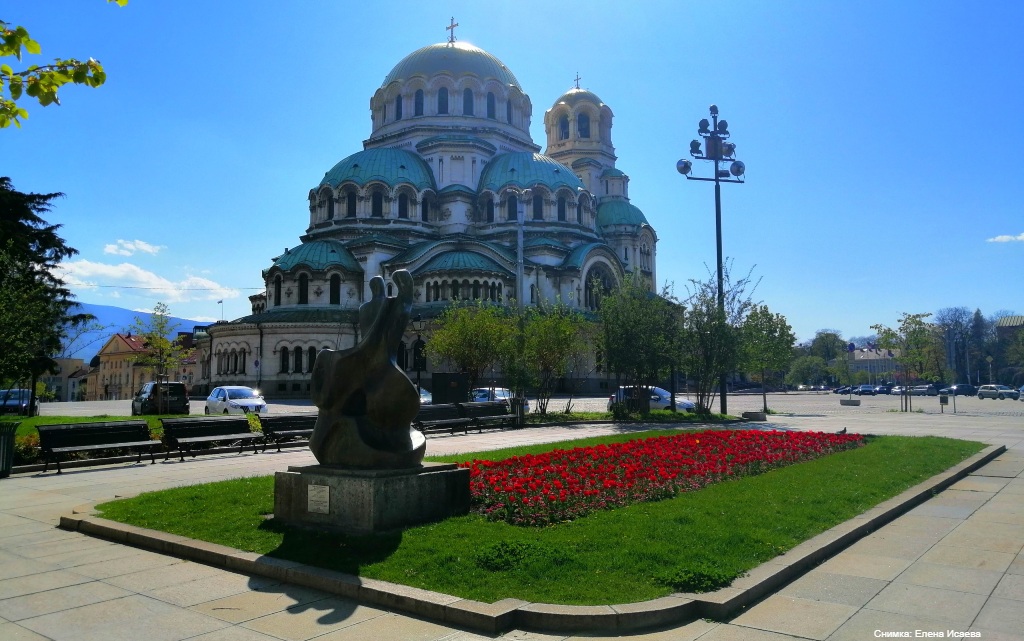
(451, 187)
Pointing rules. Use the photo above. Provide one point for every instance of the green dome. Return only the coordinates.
(457, 59)
(526, 169)
(318, 255)
(391, 166)
(576, 95)
(619, 212)
(462, 261)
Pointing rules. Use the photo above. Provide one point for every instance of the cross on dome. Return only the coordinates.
(451, 28)
(577, 80)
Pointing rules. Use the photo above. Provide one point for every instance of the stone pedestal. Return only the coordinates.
(358, 501)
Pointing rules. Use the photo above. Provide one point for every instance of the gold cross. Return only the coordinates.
(451, 27)
(577, 80)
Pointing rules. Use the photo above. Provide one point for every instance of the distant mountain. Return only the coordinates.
(116, 320)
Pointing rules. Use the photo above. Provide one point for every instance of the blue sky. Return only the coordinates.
(882, 139)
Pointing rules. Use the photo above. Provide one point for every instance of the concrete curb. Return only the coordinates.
(494, 618)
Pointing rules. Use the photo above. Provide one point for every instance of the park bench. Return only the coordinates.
(441, 417)
(286, 427)
(488, 414)
(184, 434)
(55, 440)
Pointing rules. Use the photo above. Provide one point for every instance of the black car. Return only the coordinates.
(15, 401)
(960, 389)
(173, 399)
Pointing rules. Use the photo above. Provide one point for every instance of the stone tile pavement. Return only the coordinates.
(954, 563)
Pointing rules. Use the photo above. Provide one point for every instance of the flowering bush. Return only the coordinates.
(563, 485)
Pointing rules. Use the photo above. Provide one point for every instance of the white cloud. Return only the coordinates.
(86, 274)
(130, 247)
(1007, 239)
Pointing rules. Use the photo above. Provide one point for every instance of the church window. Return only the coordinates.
(579, 213)
(330, 206)
(508, 111)
(490, 105)
(398, 107)
(512, 207)
(428, 291)
(350, 204)
(467, 102)
(417, 103)
(303, 289)
(625, 254)
(442, 100)
(277, 290)
(563, 128)
(403, 206)
(490, 210)
(234, 361)
(377, 209)
(538, 207)
(284, 360)
(403, 356)
(561, 208)
(241, 361)
(583, 126)
(311, 352)
(476, 289)
(298, 360)
(391, 290)
(437, 291)
(335, 290)
(605, 187)
(424, 211)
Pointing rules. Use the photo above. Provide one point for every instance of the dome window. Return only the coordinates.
(490, 210)
(563, 128)
(583, 126)
(298, 360)
(284, 360)
(425, 211)
(311, 358)
(508, 111)
(490, 105)
(303, 289)
(467, 102)
(417, 103)
(398, 107)
(277, 290)
(350, 204)
(377, 205)
(561, 209)
(403, 206)
(579, 213)
(330, 206)
(335, 290)
(538, 207)
(442, 100)
(511, 206)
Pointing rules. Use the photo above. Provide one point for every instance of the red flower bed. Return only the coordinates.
(566, 484)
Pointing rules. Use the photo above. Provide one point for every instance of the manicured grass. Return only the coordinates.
(624, 555)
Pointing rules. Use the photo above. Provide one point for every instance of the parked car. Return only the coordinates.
(883, 389)
(426, 398)
(1020, 393)
(898, 389)
(15, 401)
(845, 389)
(660, 399)
(864, 390)
(173, 399)
(924, 390)
(998, 391)
(235, 399)
(960, 389)
(481, 394)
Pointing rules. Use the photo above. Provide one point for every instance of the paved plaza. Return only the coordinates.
(952, 564)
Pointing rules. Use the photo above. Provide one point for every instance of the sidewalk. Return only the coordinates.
(953, 563)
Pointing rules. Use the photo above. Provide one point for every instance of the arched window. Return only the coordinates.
(467, 102)
(234, 362)
(563, 128)
(403, 356)
(241, 361)
(442, 100)
(490, 105)
(277, 290)
(455, 289)
(425, 211)
(335, 290)
(377, 205)
(311, 358)
(508, 111)
(403, 206)
(398, 107)
(476, 289)
(538, 207)
(428, 291)
(330, 206)
(350, 204)
(437, 291)
(579, 213)
(561, 208)
(391, 290)
(298, 360)
(284, 360)
(583, 126)
(512, 207)
(303, 289)
(417, 103)
(490, 210)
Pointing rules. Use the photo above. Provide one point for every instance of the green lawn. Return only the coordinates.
(626, 555)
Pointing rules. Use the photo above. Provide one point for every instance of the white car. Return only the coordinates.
(235, 399)
(998, 391)
(482, 394)
(660, 399)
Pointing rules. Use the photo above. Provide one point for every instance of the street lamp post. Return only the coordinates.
(718, 150)
(417, 350)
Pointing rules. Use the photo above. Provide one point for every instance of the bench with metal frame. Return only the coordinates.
(286, 427)
(441, 417)
(183, 434)
(58, 439)
(486, 414)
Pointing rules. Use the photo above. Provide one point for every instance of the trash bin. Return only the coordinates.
(7, 431)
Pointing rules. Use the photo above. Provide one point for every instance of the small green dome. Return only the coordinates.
(391, 166)
(577, 95)
(462, 261)
(619, 212)
(457, 59)
(525, 169)
(318, 255)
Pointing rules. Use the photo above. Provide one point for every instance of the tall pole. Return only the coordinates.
(721, 274)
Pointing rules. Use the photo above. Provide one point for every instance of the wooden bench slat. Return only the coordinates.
(181, 433)
(64, 438)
